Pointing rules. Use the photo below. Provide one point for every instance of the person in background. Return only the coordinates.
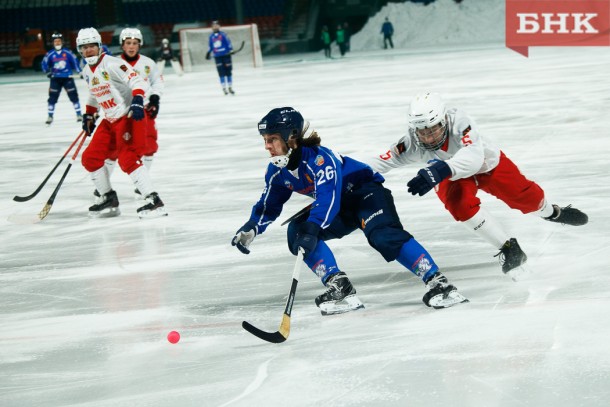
(462, 162)
(325, 38)
(348, 195)
(166, 54)
(221, 48)
(387, 29)
(119, 91)
(340, 38)
(348, 35)
(60, 64)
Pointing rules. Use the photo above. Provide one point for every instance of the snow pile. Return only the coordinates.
(443, 22)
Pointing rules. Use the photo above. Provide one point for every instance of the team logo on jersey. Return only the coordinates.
(95, 81)
(288, 185)
(147, 70)
(123, 68)
(105, 75)
(319, 160)
(127, 136)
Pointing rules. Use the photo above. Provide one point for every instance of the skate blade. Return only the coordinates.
(520, 273)
(441, 301)
(349, 303)
(106, 213)
(152, 214)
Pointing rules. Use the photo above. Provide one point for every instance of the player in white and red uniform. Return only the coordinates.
(462, 162)
(131, 41)
(119, 91)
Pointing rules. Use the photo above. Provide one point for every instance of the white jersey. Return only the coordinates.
(147, 69)
(465, 151)
(112, 84)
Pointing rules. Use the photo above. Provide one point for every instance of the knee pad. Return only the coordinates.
(91, 162)
(293, 229)
(388, 241)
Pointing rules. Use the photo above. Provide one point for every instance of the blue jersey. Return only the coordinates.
(61, 64)
(220, 44)
(321, 175)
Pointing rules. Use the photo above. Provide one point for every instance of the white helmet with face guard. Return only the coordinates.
(428, 120)
(89, 36)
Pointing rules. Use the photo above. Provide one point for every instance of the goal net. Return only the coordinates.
(194, 44)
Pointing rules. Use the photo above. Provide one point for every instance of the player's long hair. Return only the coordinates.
(311, 140)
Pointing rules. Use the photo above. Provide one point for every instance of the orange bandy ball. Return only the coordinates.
(173, 337)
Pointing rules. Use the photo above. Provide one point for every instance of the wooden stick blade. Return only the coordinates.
(273, 337)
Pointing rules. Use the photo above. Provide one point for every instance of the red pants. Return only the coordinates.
(124, 139)
(505, 182)
(151, 136)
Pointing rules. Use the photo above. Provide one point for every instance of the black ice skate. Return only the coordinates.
(107, 206)
(568, 216)
(79, 117)
(511, 257)
(231, 91)
(49, 120)
(154, 207)
(441, 294)
(340, 296)
(225, 91)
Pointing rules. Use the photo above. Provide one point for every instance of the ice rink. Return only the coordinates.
(86, 304)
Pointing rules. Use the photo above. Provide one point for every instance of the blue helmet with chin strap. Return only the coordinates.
(283, 120)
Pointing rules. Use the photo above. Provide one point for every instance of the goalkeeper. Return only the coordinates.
(222, 49)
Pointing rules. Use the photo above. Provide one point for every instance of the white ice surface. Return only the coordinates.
(85, 305)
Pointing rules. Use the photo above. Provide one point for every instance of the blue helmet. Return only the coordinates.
(283, 120)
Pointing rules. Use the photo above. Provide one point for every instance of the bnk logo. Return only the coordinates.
(556, 23)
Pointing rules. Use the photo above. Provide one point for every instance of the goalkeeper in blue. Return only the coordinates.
(347, 195)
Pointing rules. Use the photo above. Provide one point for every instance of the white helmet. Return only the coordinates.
(89, 36)
(428, 111)
(133, 33)
(165, 41)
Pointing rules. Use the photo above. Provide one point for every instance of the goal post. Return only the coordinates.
(194, 44)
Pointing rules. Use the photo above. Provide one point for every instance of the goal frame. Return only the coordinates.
(251, 45)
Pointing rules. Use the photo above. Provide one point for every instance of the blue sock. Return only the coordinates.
(322, 262)
(417, 259)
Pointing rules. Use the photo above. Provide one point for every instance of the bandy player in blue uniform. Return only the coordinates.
(348, 195)
(59, 65)
(222, 49)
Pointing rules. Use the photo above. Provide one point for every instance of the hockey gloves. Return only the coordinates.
(153, 106)
(427, 178)
(89, 123)
(49, 75)
(208, 55)
(244, 236)
(307, 238)
(136, 110)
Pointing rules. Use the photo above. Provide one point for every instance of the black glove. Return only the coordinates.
(208, 55)
(89, 123)
(307, 238)
(244, 236)
(49, 75)
(428, 177)
(136, 110)
(153, 106)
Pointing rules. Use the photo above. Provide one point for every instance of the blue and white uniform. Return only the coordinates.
(220, 48)
(60, 66)
(348, 195)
